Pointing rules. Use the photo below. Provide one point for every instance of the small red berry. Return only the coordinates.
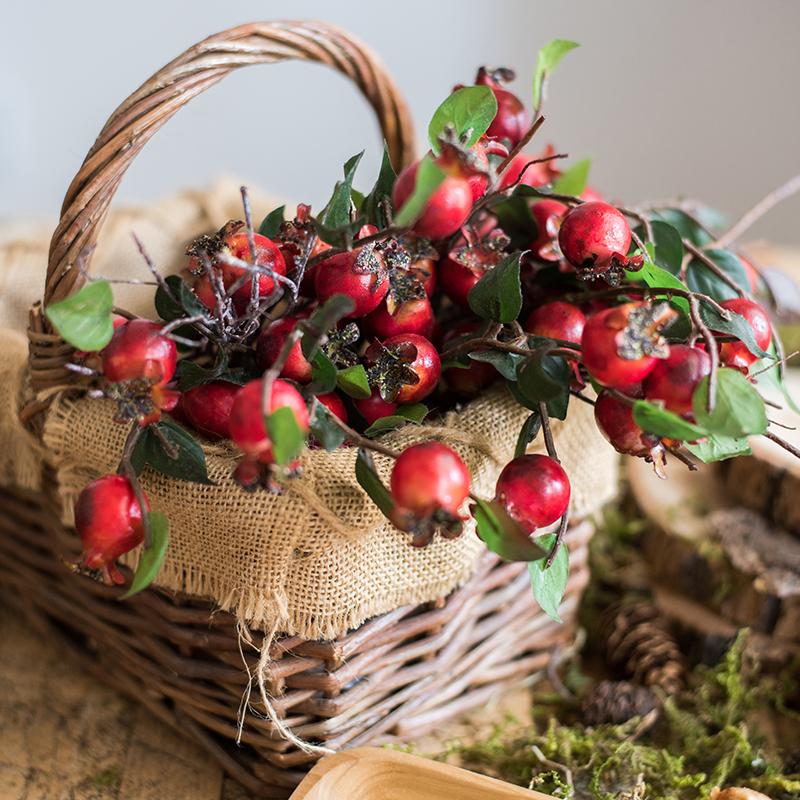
(374, 407)
(411, 316)
(360, 274)
(535, 491)
(512, 120)
(594, 236)
(233, 242)
(615, 421)
(247, 426)
(674, 378)
(205, 292)
(426, 365)
(621, 345)
(139, 350)
(207, 408)
(736, 354)
(334, 404)
(109, 521)
(429, 483)
(548, 214)
(456, 281)
(447, 208)
(557, 320)
(270, 345)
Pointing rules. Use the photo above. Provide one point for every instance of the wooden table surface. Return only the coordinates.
(64, 736)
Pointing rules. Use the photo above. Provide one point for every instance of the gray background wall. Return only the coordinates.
(689, 96)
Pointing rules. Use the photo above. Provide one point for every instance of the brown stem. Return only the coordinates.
(550, 444)
(711, 347)
(359, 440)
(647, 291)
(783, 443)
(126, 468)
(713, 266)
(683, 457)
(565, 350)
(642, 219)
(275, 370)
(374, 237)
(521, 144)
(121, 312)
(792, 186)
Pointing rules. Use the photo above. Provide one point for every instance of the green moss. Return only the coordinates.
(705, 736)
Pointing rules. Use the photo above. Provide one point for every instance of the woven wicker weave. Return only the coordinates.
(398, 675)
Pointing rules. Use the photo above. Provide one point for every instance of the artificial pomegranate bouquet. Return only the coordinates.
(477, 264)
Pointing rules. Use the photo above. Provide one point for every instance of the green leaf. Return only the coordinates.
(699, 278)
(515, 218)
(528, 432)
(497, 296)
(668, 251)
(543, 377)
(324, 429)
(324, 375)
(736, 326)
(381, 194)
(666, 424)
(152, 557)
(353, 381)
(413, 412)
(84, 319)
(325, 317)
(549, 57)
(181, 301)
(718, 448)
(684, 224)
(469, 111)
(574, 179)
(658, 277)
(286, 436)
(549, 583)
(187, 461)
(505, 363)
(337, 213)
(501, 534)
(428, 178)
(369, 480)
(738, 411)
(271, 225)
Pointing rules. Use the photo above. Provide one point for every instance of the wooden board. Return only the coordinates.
(370, 773)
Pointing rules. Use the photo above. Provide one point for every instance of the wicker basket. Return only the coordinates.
(399, 674)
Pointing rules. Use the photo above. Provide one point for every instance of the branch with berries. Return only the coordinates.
(478, 264)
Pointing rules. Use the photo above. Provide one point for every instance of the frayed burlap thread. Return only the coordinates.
(320, 559)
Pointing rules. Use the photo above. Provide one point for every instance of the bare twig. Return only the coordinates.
(683, 457)
(359, 440)
(783, 443)
(711, 347)
(792, 186)
(152, 267)
(126, 468)
(521, 144)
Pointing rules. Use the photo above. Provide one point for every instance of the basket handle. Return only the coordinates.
(133, 123)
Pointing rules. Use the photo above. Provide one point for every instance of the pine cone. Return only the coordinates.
(616, 702)
(638, 640)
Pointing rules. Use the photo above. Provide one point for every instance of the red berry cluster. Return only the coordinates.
(330, 329)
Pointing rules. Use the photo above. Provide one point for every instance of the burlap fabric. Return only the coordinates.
(320, 559)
